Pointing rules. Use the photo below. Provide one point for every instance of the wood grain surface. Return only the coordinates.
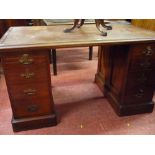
(54, 37)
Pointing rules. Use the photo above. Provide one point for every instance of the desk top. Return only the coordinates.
(38, 37)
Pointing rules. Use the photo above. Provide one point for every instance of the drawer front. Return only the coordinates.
(144, 50)
(25, 58)
(145, 78)
(18, 74)
(31, 90)
(141, 63)
(142, 57)
(139, 95)
(31, 107)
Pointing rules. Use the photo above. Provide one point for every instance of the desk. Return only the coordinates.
(126, 69)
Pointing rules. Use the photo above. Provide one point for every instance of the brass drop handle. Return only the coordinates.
(27, 75)
(145, 64)
(142, 78)
(32, 108)
(26, 59)
(30, 91)
(148, 51)
(140, 93)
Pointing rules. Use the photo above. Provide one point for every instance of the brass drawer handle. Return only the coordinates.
(142, 78)
(25, 59)
(148, 51)
(32, 108)
(146, 64)
(27, 75)
(140, 93)
(30, 91)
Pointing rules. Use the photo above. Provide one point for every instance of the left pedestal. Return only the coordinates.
(28, 80)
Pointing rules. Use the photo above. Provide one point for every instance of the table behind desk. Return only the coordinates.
(69, 22)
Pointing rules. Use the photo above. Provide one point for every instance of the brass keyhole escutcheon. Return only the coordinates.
(140, 93)
(32, 108)
(26, 59)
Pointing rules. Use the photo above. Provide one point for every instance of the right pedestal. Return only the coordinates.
(126, 75)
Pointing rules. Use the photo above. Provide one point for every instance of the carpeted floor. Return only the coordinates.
(80, 105)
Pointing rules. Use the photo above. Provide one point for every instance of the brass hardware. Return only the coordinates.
(148, 51)
(145, 64)
(142, 78)
(140, 93)
(25, 59)
(27, 75)
(32, 108)
(30, 91)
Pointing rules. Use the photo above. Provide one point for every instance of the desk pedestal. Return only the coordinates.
(28, 80)
(126, 75)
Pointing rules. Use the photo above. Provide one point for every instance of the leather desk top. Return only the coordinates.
(38, 37)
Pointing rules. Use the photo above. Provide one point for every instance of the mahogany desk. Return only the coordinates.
(126, 69)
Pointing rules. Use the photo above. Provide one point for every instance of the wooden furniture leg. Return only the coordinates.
(54, 60)
(90, 52)
(1, 69)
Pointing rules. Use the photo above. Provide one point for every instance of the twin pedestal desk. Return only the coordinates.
(125, 74)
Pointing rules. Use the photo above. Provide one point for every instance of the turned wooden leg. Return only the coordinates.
(90, 52)
(54, 60)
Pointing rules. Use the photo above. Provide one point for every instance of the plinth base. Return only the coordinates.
(34, 122)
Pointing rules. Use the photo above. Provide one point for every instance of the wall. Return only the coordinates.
(144, 23)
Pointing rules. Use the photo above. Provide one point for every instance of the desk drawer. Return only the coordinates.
(19, 74)
(31, 107)
(141, 63)
(25, 58)
(138, 78)
(30, 90)
(139, 95)
(144, 50)
(142, 57)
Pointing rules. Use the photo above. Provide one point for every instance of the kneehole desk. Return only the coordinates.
(125, 74)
